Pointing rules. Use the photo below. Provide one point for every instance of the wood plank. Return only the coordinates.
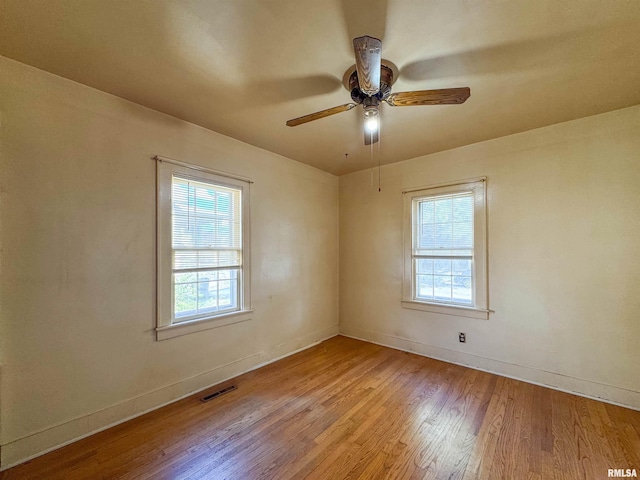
(321, 114)
(444, 96)
(350, 409)
(368, 53)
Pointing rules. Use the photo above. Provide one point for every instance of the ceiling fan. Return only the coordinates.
(370, 83)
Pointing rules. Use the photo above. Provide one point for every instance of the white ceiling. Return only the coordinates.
(242, 68)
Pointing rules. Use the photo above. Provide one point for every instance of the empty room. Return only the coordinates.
(343, 239)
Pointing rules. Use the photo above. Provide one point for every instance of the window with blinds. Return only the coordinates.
(443, 248)
(445, 256)
(203, 258)
(206, 236)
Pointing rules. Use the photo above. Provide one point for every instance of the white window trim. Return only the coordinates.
(165, 170)
(480, 309)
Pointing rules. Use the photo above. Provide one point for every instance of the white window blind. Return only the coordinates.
(443, 248)
(206, 248)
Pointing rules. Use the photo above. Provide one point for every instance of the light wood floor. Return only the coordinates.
(349, 409)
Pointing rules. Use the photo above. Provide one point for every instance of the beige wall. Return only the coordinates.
(78, 228)
(564, 257)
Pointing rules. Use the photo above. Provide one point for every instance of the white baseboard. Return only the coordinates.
(578, 386)
(24, 449)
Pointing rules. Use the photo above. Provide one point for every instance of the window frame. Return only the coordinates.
(166, 325)
(411, 197)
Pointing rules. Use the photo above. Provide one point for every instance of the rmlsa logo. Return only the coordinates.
(622, 473)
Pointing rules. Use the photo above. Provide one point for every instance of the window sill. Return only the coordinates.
(456, 310)
(185, 328)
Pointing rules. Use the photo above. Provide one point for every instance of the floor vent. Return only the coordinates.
(213, 395)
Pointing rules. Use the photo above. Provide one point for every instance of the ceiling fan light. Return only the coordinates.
(371, 118)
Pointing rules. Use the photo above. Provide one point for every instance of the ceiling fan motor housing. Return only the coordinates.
(386, 80)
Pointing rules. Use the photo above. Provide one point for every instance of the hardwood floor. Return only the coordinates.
(350, 409)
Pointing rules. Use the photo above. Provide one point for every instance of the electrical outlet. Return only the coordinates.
(462, 337)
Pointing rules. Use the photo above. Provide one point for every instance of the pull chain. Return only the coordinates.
(379, 142)
(371, 153)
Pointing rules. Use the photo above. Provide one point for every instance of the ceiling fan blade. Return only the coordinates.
(321, 114)
(368, 51)
(444, 96)
(370, 137)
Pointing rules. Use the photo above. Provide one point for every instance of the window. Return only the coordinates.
(203, 259)
(445, 249)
